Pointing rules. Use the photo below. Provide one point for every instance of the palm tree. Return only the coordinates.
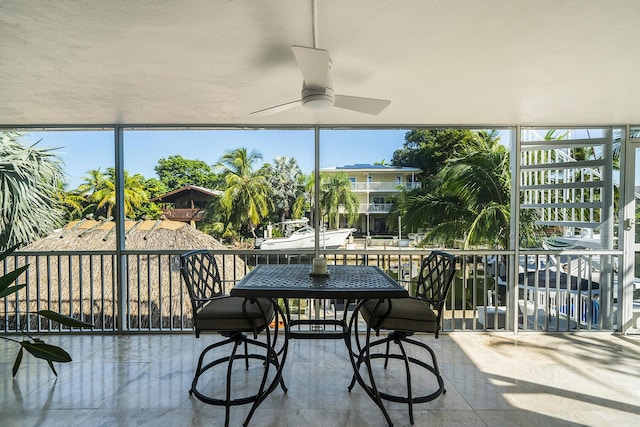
(471, 201)
(100, 190)
(336, 193)
(92, 182)
(73, 202)
(30, 179)
(245, 199)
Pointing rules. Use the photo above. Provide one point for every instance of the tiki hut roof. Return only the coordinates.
(85, 284)
(90, 234)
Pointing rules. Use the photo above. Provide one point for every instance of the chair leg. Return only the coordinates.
(272, 358)
(371, 389)
(246, 352)
(269, 358)
(362, 356)
(227, 409)
(434, 361)
(282, 351)
(199, 369)
(386, 359)
(261, 394)
(353, 354)
(401, 339)
(408, 373)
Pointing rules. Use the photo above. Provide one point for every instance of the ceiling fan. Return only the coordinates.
(317, 87)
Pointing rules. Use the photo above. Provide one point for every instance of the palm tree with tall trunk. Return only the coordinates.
(335, 194)
(245, 199)
(100, 189)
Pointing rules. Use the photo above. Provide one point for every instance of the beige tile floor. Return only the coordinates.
(491, 380)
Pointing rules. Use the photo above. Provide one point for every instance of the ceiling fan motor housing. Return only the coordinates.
(317, 98)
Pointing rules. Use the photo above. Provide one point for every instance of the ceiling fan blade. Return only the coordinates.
(314, 65)
(277, 108)
(364, 105)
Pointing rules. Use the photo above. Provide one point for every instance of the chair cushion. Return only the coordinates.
(226, 314)
(407, 314)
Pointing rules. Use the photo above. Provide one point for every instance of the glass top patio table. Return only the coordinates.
(296, 281)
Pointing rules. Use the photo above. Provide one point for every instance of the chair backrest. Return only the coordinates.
(200, 272)
(434, 281)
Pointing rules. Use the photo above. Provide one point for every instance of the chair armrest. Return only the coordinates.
(204, 300)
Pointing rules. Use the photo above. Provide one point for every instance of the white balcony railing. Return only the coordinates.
(384, 186)
(153, 298)
(382, 208)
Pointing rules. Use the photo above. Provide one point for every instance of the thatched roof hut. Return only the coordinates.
(85, 285)
(99, 235)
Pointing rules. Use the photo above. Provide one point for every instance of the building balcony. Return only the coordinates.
(184, 214)
(371, 208)
(384, 186)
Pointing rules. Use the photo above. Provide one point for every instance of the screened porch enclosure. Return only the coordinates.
(571, 179)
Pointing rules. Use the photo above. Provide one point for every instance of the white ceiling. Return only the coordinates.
(440, 62)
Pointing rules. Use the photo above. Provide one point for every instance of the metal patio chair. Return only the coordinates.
(421, 313)
(239, 320)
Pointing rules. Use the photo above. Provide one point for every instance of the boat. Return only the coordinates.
(299, 235)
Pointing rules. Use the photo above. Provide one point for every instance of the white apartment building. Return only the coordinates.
(376, 186)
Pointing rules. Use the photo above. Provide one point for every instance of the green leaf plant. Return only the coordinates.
(33, 345)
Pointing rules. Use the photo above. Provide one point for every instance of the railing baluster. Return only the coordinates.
(157, 300)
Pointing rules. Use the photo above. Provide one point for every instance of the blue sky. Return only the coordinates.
(82, 151)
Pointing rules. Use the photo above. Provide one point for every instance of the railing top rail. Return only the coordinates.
(369, 251)
(67, 252)
(572, 252)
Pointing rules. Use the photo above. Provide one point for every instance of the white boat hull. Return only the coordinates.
(330, 239)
